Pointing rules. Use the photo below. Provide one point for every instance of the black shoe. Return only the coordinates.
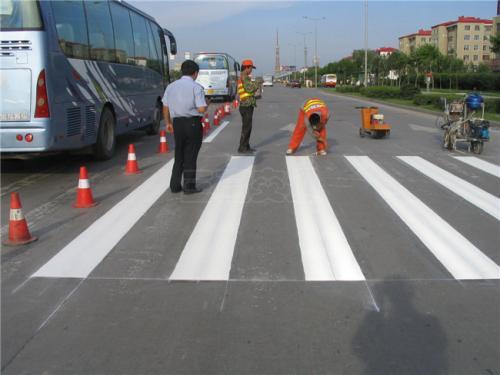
(193, 191)
(245, 152)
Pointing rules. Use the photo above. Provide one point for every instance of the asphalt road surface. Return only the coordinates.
(379, 258)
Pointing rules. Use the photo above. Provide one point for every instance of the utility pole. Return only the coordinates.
(366, 43)
(305, 55)
(315, 46)
(277, 63)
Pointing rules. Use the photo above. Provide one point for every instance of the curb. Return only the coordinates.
(494, 124)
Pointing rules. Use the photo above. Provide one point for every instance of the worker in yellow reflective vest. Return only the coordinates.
(314, 114)
(246, 92)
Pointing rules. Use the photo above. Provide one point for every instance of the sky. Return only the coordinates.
(248, 29)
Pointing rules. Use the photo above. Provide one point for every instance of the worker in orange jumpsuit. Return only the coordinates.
(313, 113)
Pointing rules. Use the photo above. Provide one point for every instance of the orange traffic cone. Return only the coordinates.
(163, 143)
(132, 167)
(235, 103)
(84, 197)
(220, 111)
(216, 118)
(18, 228)
(227, 108)
(206, 125)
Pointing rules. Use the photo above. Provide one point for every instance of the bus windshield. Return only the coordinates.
(211, 62)
(19, 15)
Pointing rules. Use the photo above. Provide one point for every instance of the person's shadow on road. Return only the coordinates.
(400, 339)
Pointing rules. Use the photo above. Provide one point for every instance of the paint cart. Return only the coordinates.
(372, 123)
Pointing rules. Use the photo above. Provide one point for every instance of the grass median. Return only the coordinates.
(410, 103)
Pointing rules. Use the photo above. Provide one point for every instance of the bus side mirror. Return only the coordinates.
(173, 43)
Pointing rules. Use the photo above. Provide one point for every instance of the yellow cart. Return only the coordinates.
(372, 123)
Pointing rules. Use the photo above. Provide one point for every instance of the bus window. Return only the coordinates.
(211, 62)
(71, 28)
(140, 39)
(154, 59)
(102, 44)
(124, 40)
(19, 15)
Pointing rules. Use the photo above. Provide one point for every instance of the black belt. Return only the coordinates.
(187, 117)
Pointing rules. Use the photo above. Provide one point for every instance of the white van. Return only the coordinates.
(268, 80)
(218, 74)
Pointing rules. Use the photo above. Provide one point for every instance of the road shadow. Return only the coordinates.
(399, 339)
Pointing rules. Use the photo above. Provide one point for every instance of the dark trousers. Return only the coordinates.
(188, 135)
(246, 128)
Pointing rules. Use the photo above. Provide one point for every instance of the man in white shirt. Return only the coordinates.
(183, 105)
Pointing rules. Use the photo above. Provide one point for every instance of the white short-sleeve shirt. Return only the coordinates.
(183, 97)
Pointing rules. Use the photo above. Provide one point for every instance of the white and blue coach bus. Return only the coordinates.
(78, 73)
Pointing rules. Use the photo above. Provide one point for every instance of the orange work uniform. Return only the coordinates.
(310, 107)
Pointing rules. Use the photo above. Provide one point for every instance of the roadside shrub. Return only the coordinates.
(382, 92)
(409, 91)
(436, 101)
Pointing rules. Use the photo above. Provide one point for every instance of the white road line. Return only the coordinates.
(421, 128)
(478, 197)
(214, 134)
(480, 164)
(85, 252)
(460, 257)
(209, 250)
(326, 254)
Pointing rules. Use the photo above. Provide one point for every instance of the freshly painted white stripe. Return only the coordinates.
(214, 134)
(478, 197)
(16, 214)
(85, 252)
(480, 164)
(460, 257)
(421, 128)
(83, 184)
(131, 157)
(209, 250)
(326, 254)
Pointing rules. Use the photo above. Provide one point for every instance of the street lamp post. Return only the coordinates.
(294, 56)
(305, 54)
(366, 42)
(315, 46)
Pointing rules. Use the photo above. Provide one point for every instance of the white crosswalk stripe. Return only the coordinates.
(79, 258)
(478, 197)
(458, 255)
(209, 250)
(326, 254)
(485, 166)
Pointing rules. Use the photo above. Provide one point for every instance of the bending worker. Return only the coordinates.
(246, 92)
(314, 113)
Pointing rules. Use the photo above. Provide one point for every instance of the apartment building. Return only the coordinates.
(495, 66)
(467, 38)
(409, 43)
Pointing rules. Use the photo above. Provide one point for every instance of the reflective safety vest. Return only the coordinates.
(241, 91)
(313, 105)
(318, 106)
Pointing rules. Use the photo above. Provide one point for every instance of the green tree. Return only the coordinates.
(398, 61)
(495, 43)
(425, 58)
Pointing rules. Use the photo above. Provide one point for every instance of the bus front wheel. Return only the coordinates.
(104, 147)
